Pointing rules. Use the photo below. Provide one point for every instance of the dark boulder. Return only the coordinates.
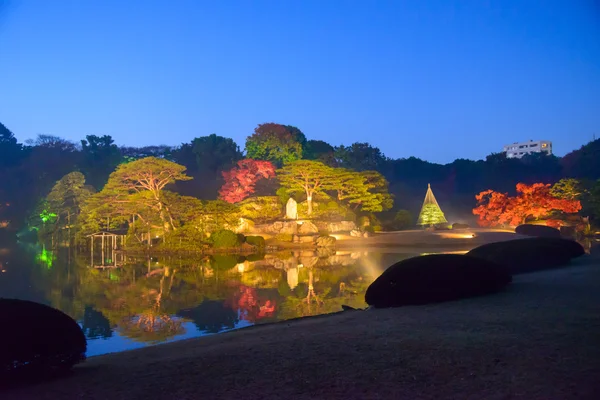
(529, 255)
(37, 341)
(435, 278)
(537, 231)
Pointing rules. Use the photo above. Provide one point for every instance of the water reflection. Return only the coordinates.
(142, 301)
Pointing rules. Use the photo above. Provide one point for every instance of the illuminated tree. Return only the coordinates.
(143, 181)
(378, 187)
(273, 142)
(531, 203)
(308, 177)
(240, 181)
(67, 196)
(431, 213)
(568, 188)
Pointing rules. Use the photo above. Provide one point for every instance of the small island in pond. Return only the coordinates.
(284, 191)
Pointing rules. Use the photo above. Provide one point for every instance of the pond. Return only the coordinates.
(132, 302)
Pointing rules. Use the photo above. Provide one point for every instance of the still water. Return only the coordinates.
(124, 303)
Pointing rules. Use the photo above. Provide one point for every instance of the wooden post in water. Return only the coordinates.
(92, 250)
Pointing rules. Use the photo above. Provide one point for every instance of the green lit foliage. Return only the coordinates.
(47, 217)
(261, 208)
(224, 239)
(364, 191)
(45, 257)
(431, 214)
(274, 142)
(568, 189)
(307, 177)
(66, 198)
(325, 208)
(136, 190)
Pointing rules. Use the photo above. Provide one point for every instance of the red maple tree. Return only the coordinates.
(240, 181)
(532, 202)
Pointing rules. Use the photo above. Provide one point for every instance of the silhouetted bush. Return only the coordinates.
(37, 341)
(225, 239)
(538, 231)
(458, 225)
(257, 241)
(436, 278)
(403, 220)
(528, 255)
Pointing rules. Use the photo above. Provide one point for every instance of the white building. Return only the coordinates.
(518, 150)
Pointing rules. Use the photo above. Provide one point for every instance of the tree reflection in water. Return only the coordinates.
(150, 300)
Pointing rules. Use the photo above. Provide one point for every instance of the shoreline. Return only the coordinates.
(544, 329)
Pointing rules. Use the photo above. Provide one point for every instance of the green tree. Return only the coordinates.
(431, 214)
(100, 156)
(273, 142)
(215, 153)
(137, 188)
(367, 191)
(10, 150)
(319, 150)
(403, 220)
(360, 157)
(308, 177)
(66, 198)
(568, 188)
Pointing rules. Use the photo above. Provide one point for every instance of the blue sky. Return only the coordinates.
(436, 79)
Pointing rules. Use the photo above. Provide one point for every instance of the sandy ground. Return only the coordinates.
(468, 238)
(538, 340)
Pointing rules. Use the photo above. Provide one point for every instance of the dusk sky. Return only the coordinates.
(435, 79)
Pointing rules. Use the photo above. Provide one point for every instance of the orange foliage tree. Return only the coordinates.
(532, 202)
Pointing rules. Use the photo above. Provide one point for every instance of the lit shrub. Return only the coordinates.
(261, 208)
(37, 340)
(225, 239)
(436, 278)
(403, 220)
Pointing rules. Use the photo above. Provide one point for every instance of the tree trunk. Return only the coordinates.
(309, 202)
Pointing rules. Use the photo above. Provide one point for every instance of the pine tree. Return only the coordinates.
(431, 213)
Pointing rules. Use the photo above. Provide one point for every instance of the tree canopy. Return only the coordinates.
(274, 142)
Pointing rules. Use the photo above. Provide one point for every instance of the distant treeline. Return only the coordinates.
(29, 170)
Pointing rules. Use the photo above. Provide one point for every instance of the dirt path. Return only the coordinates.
(538, 340)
